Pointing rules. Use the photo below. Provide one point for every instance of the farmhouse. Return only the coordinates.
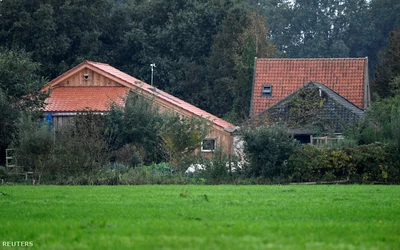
(93, 86)
(313, 96)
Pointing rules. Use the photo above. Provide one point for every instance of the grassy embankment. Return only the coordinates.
(201, 217)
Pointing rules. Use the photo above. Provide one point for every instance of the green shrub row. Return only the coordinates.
(375, 162)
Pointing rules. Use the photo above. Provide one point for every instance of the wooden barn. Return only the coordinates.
(93, 86)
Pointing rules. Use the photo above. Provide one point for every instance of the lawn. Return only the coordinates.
(201, 217)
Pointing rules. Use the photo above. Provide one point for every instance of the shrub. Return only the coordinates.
(303, 164)
(33, 145)
(136, 124)
(381, 123)
(216, 168)
(81, 148)
(267, 149)
(181, 136)
(370, 163)
(3, 172)
(160, 168)
(128, 155)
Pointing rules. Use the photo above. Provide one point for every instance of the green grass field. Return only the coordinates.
(201, 217)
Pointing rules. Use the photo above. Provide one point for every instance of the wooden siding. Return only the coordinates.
(223, 140)
(62, 121)
(93, 79)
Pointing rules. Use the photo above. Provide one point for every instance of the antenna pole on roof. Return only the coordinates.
(153, 65)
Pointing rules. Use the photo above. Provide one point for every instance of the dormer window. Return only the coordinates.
(266, 91)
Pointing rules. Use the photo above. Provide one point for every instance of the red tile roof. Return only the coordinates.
(343, 75)
(73, 99)
(133, 83)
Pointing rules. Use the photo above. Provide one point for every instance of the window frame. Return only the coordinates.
(266, 93)
(214, 145)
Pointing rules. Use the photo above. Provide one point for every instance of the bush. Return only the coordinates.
(310, 163)
(216, 168)
(381, 123)
(81, 148)
(3, 172)
(160, 168)
(128, 155)
(267, 150)
(136, 125)
(370, 163)
(33, 145)
(182, 136)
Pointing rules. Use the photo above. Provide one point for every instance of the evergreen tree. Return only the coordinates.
(241, 38)
(387, 72)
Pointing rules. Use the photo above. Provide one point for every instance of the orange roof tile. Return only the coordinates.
(343, 75)
(73, 99)
(133, 83)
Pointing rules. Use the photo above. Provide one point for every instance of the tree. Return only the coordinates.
(58, 33)
(255, 44)
(19, 90)
(19, 79)
(387, 73)
(180, 37)
(181, 136)
(8, 116)
(381, 122)
(318, 28)
(241, 38)
(384, 17)
(136, 124)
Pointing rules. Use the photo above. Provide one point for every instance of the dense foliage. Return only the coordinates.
(361, 164)
(20, 83)
(132, 131)
(387, 72)
(267, 149)
(181, 137)
(203, 50)
(330, 28)
(90, 144)
(33, 145)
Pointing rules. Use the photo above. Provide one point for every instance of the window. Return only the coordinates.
(267, 90)
(208, 145)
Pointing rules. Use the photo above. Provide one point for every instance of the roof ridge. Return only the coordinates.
(134, 82)
(312, 59)
(56, 87)
(137, 81)
(93, 62)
